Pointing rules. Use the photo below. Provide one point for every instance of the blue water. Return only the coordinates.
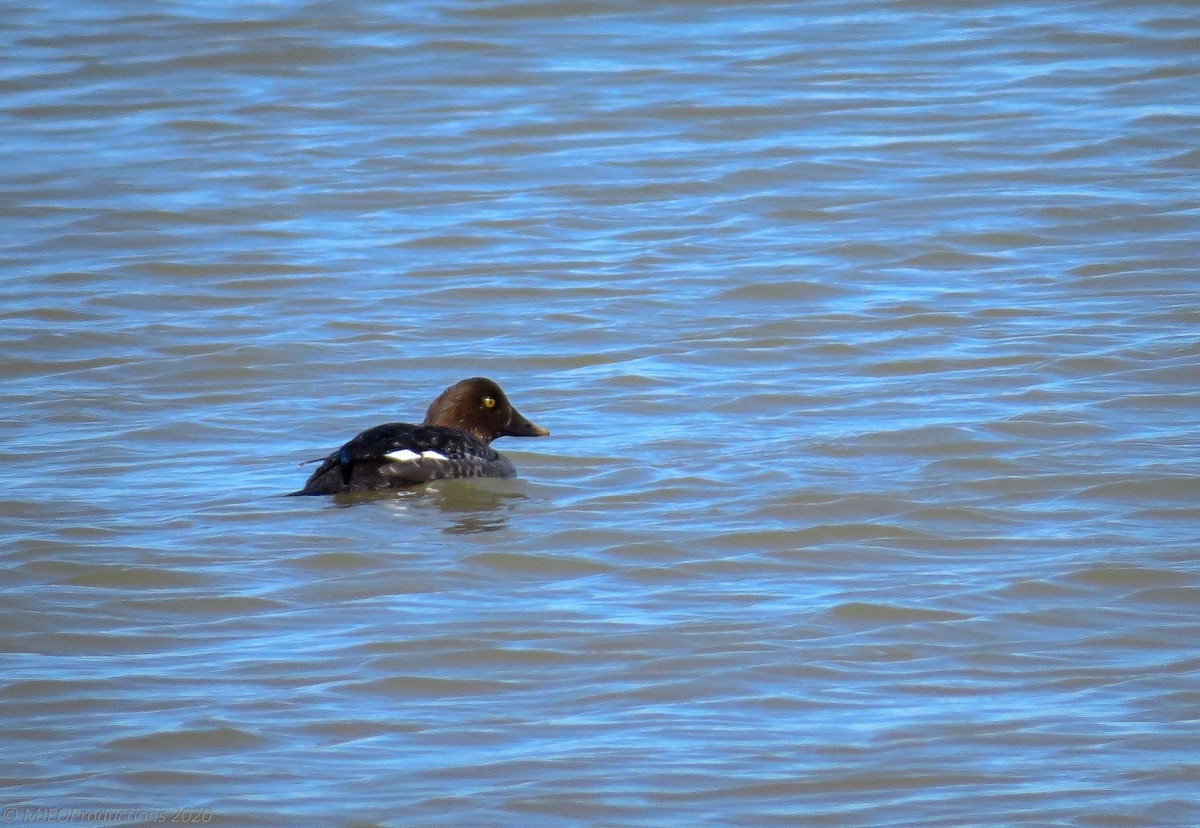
(865, 331)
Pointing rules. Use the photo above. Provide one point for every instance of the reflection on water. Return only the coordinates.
(469, 506)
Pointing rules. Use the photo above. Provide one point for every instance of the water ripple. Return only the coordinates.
(865, 335)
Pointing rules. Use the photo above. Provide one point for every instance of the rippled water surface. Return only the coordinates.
(867, 333)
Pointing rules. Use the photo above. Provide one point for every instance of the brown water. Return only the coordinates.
(867, 334)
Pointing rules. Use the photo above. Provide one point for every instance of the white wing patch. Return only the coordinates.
(409, 456)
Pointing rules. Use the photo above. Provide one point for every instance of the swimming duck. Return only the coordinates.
(453, 441)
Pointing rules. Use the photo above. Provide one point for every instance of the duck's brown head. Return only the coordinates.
(479, 407)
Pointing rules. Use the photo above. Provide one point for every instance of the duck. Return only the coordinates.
(453, 441)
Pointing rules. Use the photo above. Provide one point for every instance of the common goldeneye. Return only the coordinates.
(452, 442)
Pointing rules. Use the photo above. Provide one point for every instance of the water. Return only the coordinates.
(866, 332)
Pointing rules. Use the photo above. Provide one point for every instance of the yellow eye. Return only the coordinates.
(488, 402)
